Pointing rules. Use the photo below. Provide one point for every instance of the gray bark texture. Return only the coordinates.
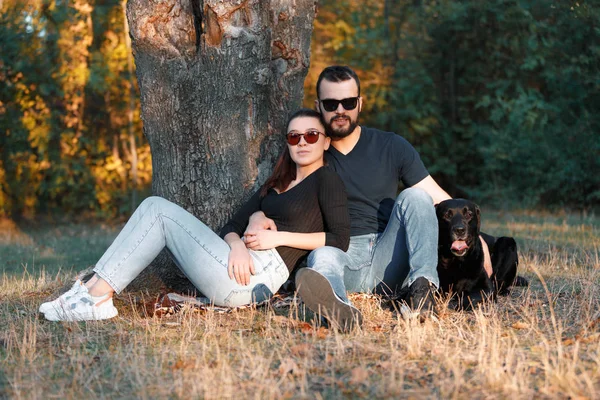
(217, 80)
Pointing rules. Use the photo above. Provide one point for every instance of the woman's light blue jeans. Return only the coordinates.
(199, 252)
(389, 260)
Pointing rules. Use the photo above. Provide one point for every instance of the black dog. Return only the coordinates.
(460, 256)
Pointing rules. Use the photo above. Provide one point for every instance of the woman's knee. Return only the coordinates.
(157, 202)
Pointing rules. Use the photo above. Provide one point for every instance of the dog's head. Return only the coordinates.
(459, 222)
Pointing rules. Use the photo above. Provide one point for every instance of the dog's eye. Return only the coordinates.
(448, 215)
(468, 213)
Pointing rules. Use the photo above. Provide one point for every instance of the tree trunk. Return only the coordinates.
(217, 82)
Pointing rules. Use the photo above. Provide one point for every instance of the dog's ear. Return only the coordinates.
(478, 213)
(440, 204)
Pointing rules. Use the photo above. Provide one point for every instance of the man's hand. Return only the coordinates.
(487, 260)
(262, 239)
(258, 221)
(240, 264)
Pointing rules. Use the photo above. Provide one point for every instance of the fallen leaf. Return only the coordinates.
(591, 338)
(305, 327)
(183, 364)
(520, 325)
(322, 333)
(534, 370)
(568, 342)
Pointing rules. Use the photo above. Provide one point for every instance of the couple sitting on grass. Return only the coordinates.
(332, 198)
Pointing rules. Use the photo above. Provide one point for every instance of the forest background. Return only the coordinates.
(501, 98)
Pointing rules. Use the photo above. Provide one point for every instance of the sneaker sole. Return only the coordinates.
(48, 306)
(59, 315)
(318, 295)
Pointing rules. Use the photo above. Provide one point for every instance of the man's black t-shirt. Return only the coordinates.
(371, 172)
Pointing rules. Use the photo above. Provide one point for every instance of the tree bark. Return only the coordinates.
(217, 82)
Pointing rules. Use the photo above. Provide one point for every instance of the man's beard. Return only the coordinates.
(340, 133)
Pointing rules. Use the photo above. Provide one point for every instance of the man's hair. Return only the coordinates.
(338, 73)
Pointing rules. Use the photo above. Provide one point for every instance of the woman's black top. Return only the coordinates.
(317, 204)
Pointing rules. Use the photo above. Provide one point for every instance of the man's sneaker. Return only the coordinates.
(45, 307)
(318, 295)
(420, 297)
(82, 307)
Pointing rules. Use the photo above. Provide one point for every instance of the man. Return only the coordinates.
(394, 239)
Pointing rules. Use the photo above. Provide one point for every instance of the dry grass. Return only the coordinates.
(542, 341)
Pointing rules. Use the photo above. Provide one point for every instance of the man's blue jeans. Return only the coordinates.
(389, 260)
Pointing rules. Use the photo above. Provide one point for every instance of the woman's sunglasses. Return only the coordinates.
(311, 136)
(332, 104)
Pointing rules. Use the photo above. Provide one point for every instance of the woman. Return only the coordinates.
(306, 201)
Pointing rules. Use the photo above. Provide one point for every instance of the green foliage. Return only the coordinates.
(500, 97)
(69, 119)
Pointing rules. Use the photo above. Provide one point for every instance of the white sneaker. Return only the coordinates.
(83, 307)
(45, 307)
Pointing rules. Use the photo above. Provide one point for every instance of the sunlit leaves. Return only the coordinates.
(66, 109)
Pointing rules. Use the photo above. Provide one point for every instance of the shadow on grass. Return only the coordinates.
(52, 246)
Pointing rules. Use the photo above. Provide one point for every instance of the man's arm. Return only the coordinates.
(429, 185)
(438, 195)
(259, 221)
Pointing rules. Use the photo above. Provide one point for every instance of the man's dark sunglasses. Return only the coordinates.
(311, 136)
(332, 104)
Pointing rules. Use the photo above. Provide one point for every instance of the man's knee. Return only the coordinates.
(416, 205)
(415, 196)
(324, 255)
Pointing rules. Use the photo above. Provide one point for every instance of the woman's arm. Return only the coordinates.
(239, 265)
(240, 219)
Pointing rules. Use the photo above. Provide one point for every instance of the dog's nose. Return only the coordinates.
(459, 230)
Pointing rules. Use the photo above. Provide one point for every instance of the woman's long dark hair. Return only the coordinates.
(285, 168)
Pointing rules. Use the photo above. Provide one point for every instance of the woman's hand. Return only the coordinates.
(259, 221)
(262, 239)
(240, 265)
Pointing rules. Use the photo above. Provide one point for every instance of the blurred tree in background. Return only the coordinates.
(501, 98)
(70, 133)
